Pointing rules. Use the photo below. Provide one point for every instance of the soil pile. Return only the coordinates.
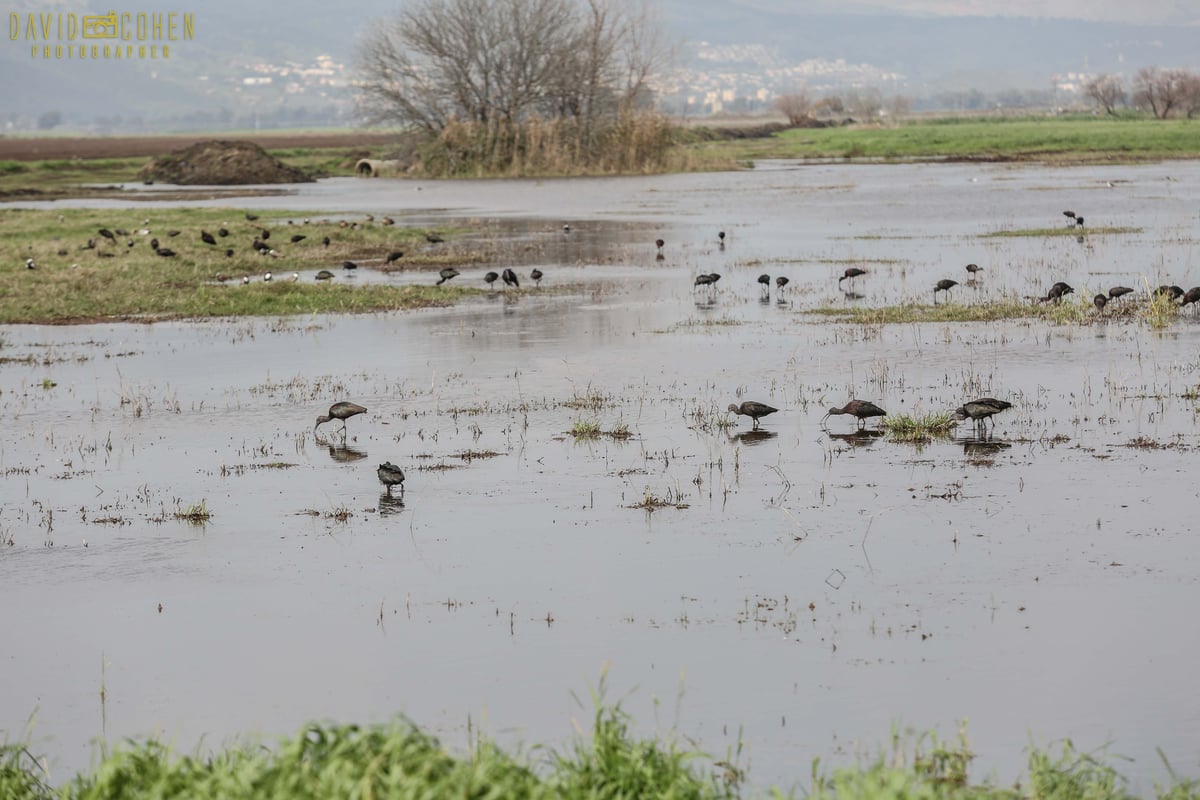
(220, 163)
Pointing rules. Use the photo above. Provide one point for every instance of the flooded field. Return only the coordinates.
(182, 556)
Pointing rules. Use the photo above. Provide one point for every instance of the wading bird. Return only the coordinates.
(343, 410)
(659, 243)
(860, 409)
(165, 252)
(394, 256)
(107, 234)
(972, 269)
(721, 239)
(781, 282)
(703, 280)
(1070, 215)
(1118, 291)
(251, 217)
(536, 276)
(324, 275)
(1099, 301)
(325, 241)
(1192, 295)
(390, 475)
(979, 410)
(510, 278)
(851, 273)
(299, 237)
(1172, 292)
(944, 285)
(489, 278)
(765, 280)
(1057, 291)
(433, 238)
(207, 237)
(349, 265)
(752, 409)
(446, 274)
(222, 232)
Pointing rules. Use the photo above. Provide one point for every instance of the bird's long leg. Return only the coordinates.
(754, 426)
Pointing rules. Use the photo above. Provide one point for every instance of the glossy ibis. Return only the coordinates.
(1070, 215)
(979, 410)
(433, 238)
(222, 232)
(753, 409)
(944, 285)
(1118, 291)
(343, 411)
(510, 278)
(1192, 295)
(173, 234)
(165, 252)
(1100, 301)
(251, 217)
(490, 277)
(298, 237)
(107, 234)
(781, 282)
(860, 409)
(153, 243)
(721, 237)
(765, 280)
(1057, 291)
(207, 237)
(229, 252)
(349, 265)
(394, 256)
(1078, 221)
(445, 275)
(325, 241)
(972, 269)
(851, 273)
(659, 243)
(264, 234)
(536, 276)
(1172, 292)
(390, 475)
(324, 275)
(705, 279)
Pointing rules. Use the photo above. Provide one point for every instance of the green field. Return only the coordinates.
(1050, 139)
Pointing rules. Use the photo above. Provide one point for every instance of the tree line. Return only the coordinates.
(1161, 92)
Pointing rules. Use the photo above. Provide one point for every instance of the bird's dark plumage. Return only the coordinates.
(510, 278)
(446, 274)
(394, 256)
(1172, 292)
(343, 411)
(861, 409)
(107, 234)
(207, 237)
(390, 475)
(251, 217)
(324, 275)
(1100, 301)
(222, 232)
(851, 272)
(974, 268)
(490, 277)
(765, 280)
(165, 252)
(433, 238)
(536, 276)
(298, 237)
(981, 409)
(944, 285)
(1118, 291)
(1058, 291)
(349, 265)
(1192, 295)
(752, 409)
(781, 282)
(325, 241)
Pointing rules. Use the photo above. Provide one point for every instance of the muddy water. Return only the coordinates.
(812, 589)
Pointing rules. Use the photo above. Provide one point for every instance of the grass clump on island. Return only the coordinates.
(918, 427)
(400, 760)
(82, 285)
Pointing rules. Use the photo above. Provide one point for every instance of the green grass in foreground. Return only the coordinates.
(1046, 139)
(135, 283)
(399, 760)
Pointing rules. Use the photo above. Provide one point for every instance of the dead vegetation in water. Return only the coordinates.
(1147, 443)
(651, 501)
(240, 469)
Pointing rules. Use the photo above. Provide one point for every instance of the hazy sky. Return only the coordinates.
(1186, 12)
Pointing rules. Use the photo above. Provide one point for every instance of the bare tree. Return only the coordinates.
(1107, 91)
(865, 103)
(1190, 103)
(1159, 90)
(797, 106)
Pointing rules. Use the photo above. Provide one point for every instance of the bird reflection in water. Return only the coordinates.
(853, 295)
(344, 454)
(752, 437)
(864, 437)
(390, 504)
(982, 446)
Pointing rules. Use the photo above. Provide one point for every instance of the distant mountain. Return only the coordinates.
(212, 81)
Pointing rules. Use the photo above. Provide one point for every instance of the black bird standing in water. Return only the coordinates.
(446, 274)
(1070, 215)
(944, 285)
(343, 411)
(979, 410)
(536, 276)
(765, 280)
(490, 278)
(659, 243)
(1057, 291)
(753, 409)
(510, 278)
(972, 269)
(781, 282)
(704, 280)
(1099, 301)
(349, 265)
(721, 239)
(861, 409)
(390, 475)
(851, 273)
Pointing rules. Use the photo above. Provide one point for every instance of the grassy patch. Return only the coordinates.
(116, 281)
(941, 312)
(1058, 231)
(196, 513)
(585, 429)
(1054, 140)
(652, 501)
(918, 427)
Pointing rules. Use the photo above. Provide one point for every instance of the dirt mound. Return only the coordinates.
(220, 163)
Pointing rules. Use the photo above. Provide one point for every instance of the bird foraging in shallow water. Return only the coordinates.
(393, 256)
(390, 475)
(1172, 292)
(1099, 301)
(490, 278)
(979, 410)
(752, 409)
(944, 285)
(851, 273)
(703, 280)
(343, 410)
(1192, 295)
(765, 280)
(510, 278)
(861, 409)
(1118, 291)
(781, 282)
(659, 243)
(972, 269)
(1057, 291)
(536, 276)
(349, 265)
(445, 275)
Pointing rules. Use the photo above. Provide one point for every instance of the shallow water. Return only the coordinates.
(817, 588)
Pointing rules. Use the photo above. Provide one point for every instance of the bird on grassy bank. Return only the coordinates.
(229, 252)
(510, 278)
(1172, 292)
(207, 237)
(752, 409)
(433, 238)
(267, 278)
(1057, 292)
(1118, 291)
(153, 243)
(107, 234)
(298, 237)
(1099, 301)
(173, 234)
(343, 410)
(165, 252)
(979, 410)
(29, 264)
(325, 241)
(851, 273)
(390, 475)
(944, 285)
(1192, 295)
(251, 217)
(490, 278)
(222, 232)
(324, 275)
(972, 269)
(536, 276)
(446, 274)
(860, 409)
(394, 256)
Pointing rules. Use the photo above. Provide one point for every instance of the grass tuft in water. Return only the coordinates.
(918, 427)
(196, 513)
(585, 429)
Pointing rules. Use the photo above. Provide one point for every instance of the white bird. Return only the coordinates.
(267, 277)
(29, 264)
(245, 279)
